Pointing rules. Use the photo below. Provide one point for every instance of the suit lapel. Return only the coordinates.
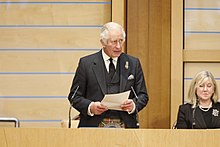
(123, 71)
(98, 69)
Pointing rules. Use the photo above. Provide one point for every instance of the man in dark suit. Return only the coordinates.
(109, 71)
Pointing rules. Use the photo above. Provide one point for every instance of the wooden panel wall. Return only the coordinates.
(42, 50)
(202, 35)
(202, 25)
(190, 69)
(40, 46)
(195, 45)
(148, 37)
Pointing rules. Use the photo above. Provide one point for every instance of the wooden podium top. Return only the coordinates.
(99, 137)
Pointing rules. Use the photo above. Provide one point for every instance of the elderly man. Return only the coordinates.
(109, 71)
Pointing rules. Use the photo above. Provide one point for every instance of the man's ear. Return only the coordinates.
(103, 43)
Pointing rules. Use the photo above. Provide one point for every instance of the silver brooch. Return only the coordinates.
(215, 112)
(126, 64)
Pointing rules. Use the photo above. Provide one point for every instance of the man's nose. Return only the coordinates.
(118, 44)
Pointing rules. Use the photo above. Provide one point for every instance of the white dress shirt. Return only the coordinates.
(107, 61)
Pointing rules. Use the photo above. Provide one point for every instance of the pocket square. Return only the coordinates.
(131, 77)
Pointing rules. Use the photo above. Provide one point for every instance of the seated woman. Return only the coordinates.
(202, 109)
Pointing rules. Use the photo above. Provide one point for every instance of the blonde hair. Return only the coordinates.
(199, 79)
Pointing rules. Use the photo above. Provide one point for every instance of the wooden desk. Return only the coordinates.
(91, 137)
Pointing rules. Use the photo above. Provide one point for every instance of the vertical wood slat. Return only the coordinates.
(119, 12)
(137, 45)
(176, 58)
(149, 39)
(119, 15)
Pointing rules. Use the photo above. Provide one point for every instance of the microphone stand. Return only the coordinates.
(69, 126)
(193, 118)
(136, 110)
(193, 115)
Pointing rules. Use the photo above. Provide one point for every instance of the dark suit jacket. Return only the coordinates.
(90, 77)
(185, 117)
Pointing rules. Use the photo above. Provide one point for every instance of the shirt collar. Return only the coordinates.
(106, 57)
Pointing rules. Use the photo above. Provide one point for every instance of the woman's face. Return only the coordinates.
(205, 90)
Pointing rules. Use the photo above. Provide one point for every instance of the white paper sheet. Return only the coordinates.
(114, 101)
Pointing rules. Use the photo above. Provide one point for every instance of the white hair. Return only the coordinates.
(108, 27)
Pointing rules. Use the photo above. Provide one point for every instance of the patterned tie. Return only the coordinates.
(111, 68)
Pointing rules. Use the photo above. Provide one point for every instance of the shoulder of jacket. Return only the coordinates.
(184, 106)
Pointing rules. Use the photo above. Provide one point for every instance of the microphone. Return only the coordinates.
(136, 99)
(134, 93)
(193, 116)
(71, 105)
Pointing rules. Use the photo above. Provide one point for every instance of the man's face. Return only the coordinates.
(113, 47)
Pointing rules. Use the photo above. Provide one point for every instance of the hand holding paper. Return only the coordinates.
(114, 101)
(128, 105)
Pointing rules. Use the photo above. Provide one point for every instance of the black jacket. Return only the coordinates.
(90, 77)
(185, 117)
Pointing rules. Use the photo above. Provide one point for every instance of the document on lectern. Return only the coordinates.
(114, 101)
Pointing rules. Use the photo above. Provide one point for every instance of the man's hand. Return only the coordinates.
(97, 108)
(128, 105)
